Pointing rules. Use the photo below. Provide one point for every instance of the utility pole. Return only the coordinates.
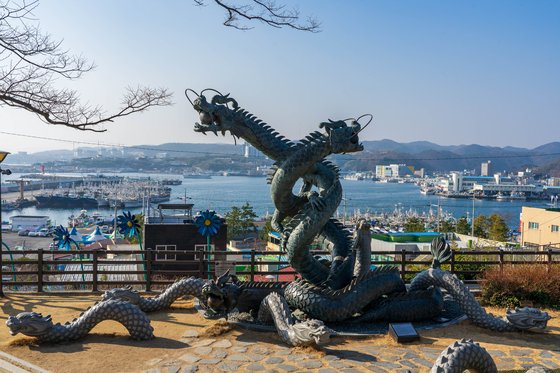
(472, 223)
(438, 216)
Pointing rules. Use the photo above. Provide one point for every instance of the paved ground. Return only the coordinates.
(186, 342)
(224, 354)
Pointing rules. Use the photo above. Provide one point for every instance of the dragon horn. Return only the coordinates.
(187, 94)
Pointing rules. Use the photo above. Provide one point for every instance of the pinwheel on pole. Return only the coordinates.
(208, 224)
(64, 241)
(129, 226)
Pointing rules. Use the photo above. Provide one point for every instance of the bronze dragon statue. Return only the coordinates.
(344, 288)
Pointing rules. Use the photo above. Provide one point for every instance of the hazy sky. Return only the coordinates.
(450, 72)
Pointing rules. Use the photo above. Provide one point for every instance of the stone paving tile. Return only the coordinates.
(286, 368)
(190, 358)
(327, 370)
(229, 366)
(209, 361)
(520, 352)
(202, 351)
(219, 354)
(203, 343)
(274, 360)
(550, 364)
(310, 364)
(224, 343)
(238, 357)
(254, 367)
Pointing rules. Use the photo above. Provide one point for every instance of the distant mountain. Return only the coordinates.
(186, 149)
(551, 147)
(420, 154)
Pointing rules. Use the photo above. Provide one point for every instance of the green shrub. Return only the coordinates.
(518, 283)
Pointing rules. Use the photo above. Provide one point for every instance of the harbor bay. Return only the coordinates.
(364, 197)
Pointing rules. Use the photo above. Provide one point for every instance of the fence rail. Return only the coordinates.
(62, 271)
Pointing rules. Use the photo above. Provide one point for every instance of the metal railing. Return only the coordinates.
(64, 271)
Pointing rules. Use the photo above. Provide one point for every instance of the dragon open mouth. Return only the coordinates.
(208, 123)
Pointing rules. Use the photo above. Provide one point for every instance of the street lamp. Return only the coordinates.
(3, 156)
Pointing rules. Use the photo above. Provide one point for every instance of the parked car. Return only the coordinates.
(23, 232)
(44, 232)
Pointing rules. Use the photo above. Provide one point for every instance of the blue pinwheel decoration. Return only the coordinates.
(62, 238)
(129, 224)
(208, 223)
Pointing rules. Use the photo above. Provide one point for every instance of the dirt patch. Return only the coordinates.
(219, 328)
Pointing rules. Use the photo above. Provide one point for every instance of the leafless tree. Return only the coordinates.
(265, 11)
(30, 63)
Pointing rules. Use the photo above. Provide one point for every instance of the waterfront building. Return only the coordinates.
(457, 183)
(393, 170)
(249, 151)
(485, 169)
(540, 226)
(29, 222)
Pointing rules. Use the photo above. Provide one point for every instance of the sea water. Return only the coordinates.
(220, 193)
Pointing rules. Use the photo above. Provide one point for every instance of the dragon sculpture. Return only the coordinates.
(467, 355)
(36, 325)
(343, 288)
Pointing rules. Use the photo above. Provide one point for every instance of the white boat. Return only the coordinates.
(428, 191)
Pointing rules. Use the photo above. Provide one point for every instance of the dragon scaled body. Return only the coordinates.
(34, 324)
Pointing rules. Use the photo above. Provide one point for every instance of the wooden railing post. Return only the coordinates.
(148, 266)
(549, 259)
(201, 263)
(403, 262)
(40, 270)
(94, 271)
(252, 265)
(501, 261)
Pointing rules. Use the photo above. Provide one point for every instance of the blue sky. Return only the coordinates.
(450, 72)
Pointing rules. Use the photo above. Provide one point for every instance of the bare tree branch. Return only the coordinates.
(30, 61)
(265, 11)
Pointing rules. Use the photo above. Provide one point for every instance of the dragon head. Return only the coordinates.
(528, 318)
(126, 294)
(310, 332)
(32, 324)
(215, 116)
(343, 137)
(221, 295)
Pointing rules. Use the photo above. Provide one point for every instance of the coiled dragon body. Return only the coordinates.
(33, 324)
